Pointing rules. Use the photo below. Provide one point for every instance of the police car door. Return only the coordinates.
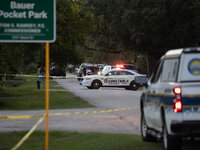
(110, 79)
(152, 101)
(125, 78)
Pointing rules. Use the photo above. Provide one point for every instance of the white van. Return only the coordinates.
(170, 102)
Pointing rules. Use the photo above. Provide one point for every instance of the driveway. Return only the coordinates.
(126, 121)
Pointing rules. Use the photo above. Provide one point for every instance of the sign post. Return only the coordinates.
(47, 98)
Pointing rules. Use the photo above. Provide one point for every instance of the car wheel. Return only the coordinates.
(127, 88)
(96, 84)
(134, 86)
(89, 87)
(145, 135)
(170, 143)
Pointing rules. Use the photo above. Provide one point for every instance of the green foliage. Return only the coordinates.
(30, 68)
(16, 56)
(151, 26)
(73, 27)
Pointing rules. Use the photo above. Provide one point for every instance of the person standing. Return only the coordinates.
(92, 70)
(39, 79)
(97, 69)
(84, 70)
(44, 79)
(80, 72)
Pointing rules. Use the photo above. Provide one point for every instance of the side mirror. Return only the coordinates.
(142, 80)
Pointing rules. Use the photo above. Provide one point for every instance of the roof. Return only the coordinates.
(178, 52)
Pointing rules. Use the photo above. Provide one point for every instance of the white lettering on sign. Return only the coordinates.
(26, 25)
(8, 30)
(13, 14)
(37, 15)
(23, 14)
(14, 5)
(31, 14)
(5, 25)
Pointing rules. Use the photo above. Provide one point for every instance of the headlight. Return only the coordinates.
(99, 73)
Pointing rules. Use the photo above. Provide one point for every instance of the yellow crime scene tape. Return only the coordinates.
(28, 134)
(59, 114)
(86, 77)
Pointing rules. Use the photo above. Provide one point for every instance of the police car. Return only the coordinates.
(170, 103)
(113, 78)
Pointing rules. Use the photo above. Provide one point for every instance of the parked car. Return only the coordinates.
(113, 78)
(170, 102)
(57, 71)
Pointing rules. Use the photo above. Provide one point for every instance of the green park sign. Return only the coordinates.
(30, 21)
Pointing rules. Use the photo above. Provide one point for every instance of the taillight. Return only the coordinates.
(177, 100)
(177, 90)
(177, 106)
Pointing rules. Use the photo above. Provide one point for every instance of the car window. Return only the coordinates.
(126, 73)
(109, 74)
(170, 69)
(115, 72)
(157, 71)
(112, 73)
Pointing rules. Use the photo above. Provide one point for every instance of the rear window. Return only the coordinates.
(170, 70)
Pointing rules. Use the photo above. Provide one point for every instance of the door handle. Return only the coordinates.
(154, 92)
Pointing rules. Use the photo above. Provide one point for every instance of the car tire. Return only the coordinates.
(89, 87)
(145, 135)
(134, 86)
(96, 84)
(127, 88)
(170, 143)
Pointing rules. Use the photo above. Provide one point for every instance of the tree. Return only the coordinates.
(146, 26)
(73, 27)
(14, 56)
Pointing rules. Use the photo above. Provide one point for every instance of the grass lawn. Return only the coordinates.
(59, 140)
(26, 96)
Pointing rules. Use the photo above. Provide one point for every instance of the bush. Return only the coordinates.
(30, 69)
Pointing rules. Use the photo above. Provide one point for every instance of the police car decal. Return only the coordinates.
(194, 66)
(117, 81)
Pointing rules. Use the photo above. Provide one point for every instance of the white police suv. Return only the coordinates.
(170, 103)
(113, 78)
